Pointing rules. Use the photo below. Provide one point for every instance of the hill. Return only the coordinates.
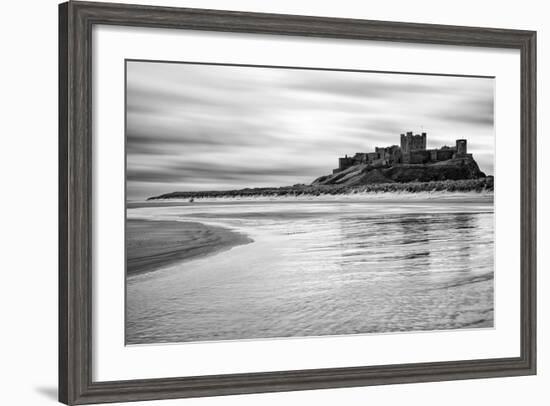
(452, 169)
(458, 174)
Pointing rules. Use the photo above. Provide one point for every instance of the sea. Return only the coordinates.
(318, 266)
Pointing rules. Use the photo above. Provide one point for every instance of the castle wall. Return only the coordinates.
(344, 163)
(416, 157)
(396, 155)
(359, 158)
(372, 156)
(442, 154)
(412, 151)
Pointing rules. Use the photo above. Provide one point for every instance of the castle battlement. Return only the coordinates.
(410, 142)
(412, 150)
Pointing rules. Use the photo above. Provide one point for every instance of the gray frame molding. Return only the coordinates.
(75, 179)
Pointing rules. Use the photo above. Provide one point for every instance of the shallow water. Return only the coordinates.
(340, 266)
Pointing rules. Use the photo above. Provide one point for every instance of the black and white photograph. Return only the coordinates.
(276, 202)
(266, 203)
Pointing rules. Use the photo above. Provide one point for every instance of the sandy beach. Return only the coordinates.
(347, 265)
(151, 245)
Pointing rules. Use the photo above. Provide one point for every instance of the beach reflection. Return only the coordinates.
(321, 268)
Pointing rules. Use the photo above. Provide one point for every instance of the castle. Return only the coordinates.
(412, 151)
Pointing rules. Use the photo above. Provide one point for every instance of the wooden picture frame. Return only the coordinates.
(76, 20)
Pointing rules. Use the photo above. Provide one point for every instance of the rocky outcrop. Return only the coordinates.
(452, 169)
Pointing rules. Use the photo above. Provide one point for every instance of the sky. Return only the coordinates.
(219, 127)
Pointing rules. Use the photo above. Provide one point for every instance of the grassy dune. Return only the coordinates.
(466, 185)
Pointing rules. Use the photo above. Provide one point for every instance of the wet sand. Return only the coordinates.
(318, 268)
(151, 245)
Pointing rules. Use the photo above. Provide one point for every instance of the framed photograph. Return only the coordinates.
(257, 202)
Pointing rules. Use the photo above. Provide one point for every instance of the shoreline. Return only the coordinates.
(152, 244)
(451, 186)
(403, 198)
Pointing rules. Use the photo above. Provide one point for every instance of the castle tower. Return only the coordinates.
(461, 148)
(410, 142)
(407, 142)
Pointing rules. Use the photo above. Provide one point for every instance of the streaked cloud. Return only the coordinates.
(193, 127)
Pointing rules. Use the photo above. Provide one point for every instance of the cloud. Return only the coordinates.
(203, 127)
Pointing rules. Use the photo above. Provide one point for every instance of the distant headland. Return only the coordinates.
(408, 167)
